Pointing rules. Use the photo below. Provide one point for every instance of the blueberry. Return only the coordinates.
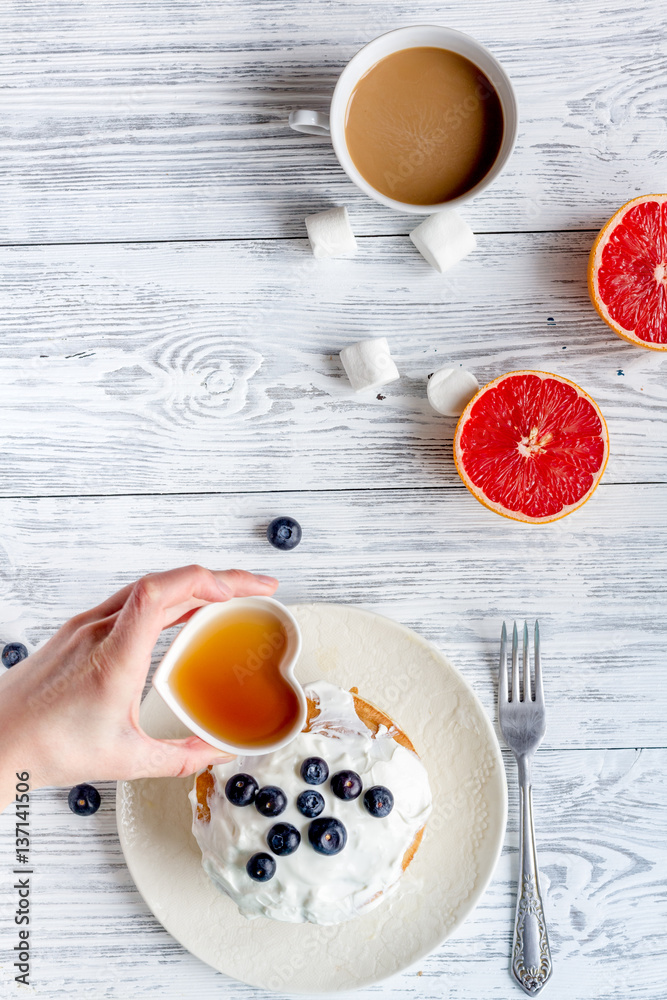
(84, 800)
(378, 800)
(270, 800)
(241, 789)
(261, 867)
(314, 771)
(310, 803)
(327, 835)
(13, 653)
(346, 784)
(283, 838)
(284, 533)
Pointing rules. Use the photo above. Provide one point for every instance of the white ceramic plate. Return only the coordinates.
(416, 685)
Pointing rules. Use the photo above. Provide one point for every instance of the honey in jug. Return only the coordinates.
(229, 680)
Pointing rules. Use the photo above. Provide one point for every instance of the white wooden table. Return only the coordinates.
(170, 382)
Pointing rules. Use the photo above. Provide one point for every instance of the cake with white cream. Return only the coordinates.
(322, 829)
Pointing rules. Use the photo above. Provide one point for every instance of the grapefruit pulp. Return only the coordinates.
(532, 446)
(627, 272)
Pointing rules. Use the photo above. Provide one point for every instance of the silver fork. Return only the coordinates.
(523, 724)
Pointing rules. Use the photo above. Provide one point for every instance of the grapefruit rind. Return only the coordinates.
(594, 261)
(505, 511)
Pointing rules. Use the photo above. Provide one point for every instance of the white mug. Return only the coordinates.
(433, 36)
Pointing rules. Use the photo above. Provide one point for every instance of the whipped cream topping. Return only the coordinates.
(308, 886)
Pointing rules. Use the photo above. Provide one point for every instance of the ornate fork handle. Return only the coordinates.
(531, 958)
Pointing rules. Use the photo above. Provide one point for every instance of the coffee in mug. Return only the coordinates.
(424, 125)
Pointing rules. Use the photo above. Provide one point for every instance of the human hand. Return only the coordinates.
(70, 711)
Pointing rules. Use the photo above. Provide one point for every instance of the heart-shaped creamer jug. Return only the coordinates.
(229, 676)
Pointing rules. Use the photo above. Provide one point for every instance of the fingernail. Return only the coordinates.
(268, 580)
(222, 760)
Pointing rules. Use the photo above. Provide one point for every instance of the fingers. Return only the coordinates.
(235, 582)
(107, 608)
(178, 758)
(112, 604)
(238, 582)
(160, 599)
(186, 616)
(181, 612)
(243, 584)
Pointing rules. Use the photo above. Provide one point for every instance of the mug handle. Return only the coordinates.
(310, 122)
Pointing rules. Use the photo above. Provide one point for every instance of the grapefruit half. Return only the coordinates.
(627, 272)
(532, 446)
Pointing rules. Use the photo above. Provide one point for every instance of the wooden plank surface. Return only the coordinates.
(213, 366)
(172, 384)
(134, 120)
(603, 860)
(435, 560)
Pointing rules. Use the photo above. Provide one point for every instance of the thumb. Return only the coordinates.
(178, 758)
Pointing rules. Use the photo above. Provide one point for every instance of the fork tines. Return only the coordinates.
(528, 691)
